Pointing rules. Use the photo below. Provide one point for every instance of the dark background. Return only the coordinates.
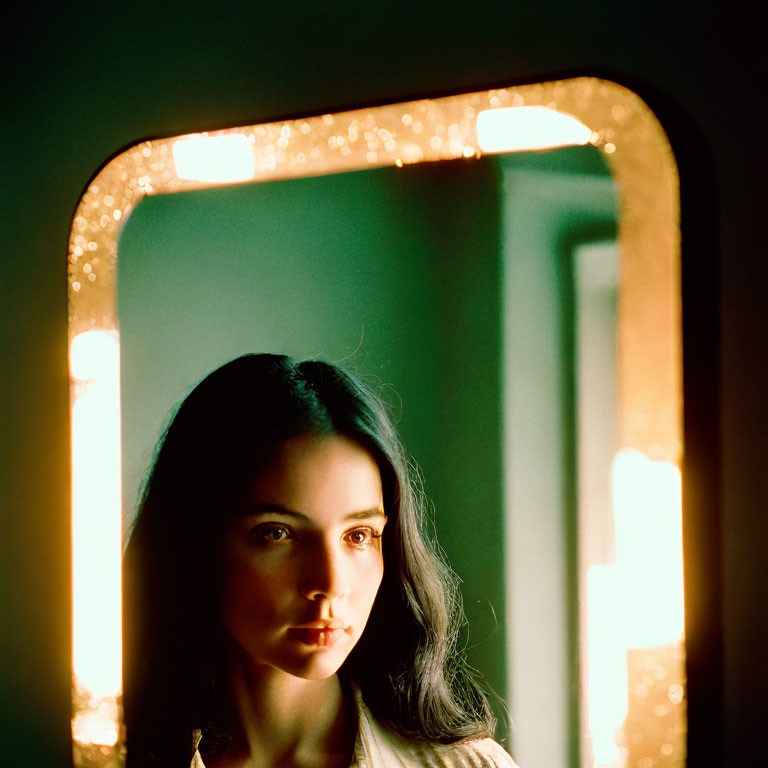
(82, 80)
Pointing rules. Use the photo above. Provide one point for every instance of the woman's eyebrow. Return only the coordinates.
(366, 514)
(271, 509)
(278, 509)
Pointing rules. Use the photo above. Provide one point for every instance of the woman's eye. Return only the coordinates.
(272, 533)
(362, 537)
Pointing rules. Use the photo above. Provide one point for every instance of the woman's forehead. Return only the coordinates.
(317, 477)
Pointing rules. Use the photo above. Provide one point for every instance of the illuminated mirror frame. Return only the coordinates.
(538, 116)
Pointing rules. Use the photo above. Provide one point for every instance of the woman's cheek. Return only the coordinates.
(248, 579)
(262, 578)
(370, 576)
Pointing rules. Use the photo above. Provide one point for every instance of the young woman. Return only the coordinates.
(282, 605)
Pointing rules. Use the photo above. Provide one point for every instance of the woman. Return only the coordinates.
(283, 606)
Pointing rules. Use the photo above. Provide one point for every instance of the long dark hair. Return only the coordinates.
(407, 665)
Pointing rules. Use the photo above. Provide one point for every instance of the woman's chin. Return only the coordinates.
(315, 668)
(311, 659)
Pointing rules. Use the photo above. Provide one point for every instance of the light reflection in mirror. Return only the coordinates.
(214, 159)
(96, 536)
(514, 129)
(636, 604)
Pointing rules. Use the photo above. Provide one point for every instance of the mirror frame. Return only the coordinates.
(649, 340)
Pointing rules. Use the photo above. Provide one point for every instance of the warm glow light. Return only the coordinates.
(647, 504)
(98, 724)
(638, 602)
(607, 663)
(96, 517)
(94, 355)
(513, 129)
(216, 159)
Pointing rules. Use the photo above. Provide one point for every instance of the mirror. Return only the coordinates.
(491, 296)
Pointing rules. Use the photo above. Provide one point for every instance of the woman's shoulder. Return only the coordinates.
(379, 747)
(388, 749)
(484, 753)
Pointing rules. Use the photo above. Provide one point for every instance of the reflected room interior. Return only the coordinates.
(493, 301)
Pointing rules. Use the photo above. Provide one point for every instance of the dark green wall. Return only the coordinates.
(82, 80)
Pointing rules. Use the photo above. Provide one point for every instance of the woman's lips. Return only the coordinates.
(320, 637)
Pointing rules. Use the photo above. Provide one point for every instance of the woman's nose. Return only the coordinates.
(325, 577)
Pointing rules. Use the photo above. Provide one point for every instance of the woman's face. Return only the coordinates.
(302, 561)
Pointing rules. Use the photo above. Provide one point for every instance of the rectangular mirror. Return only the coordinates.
(510, 304)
